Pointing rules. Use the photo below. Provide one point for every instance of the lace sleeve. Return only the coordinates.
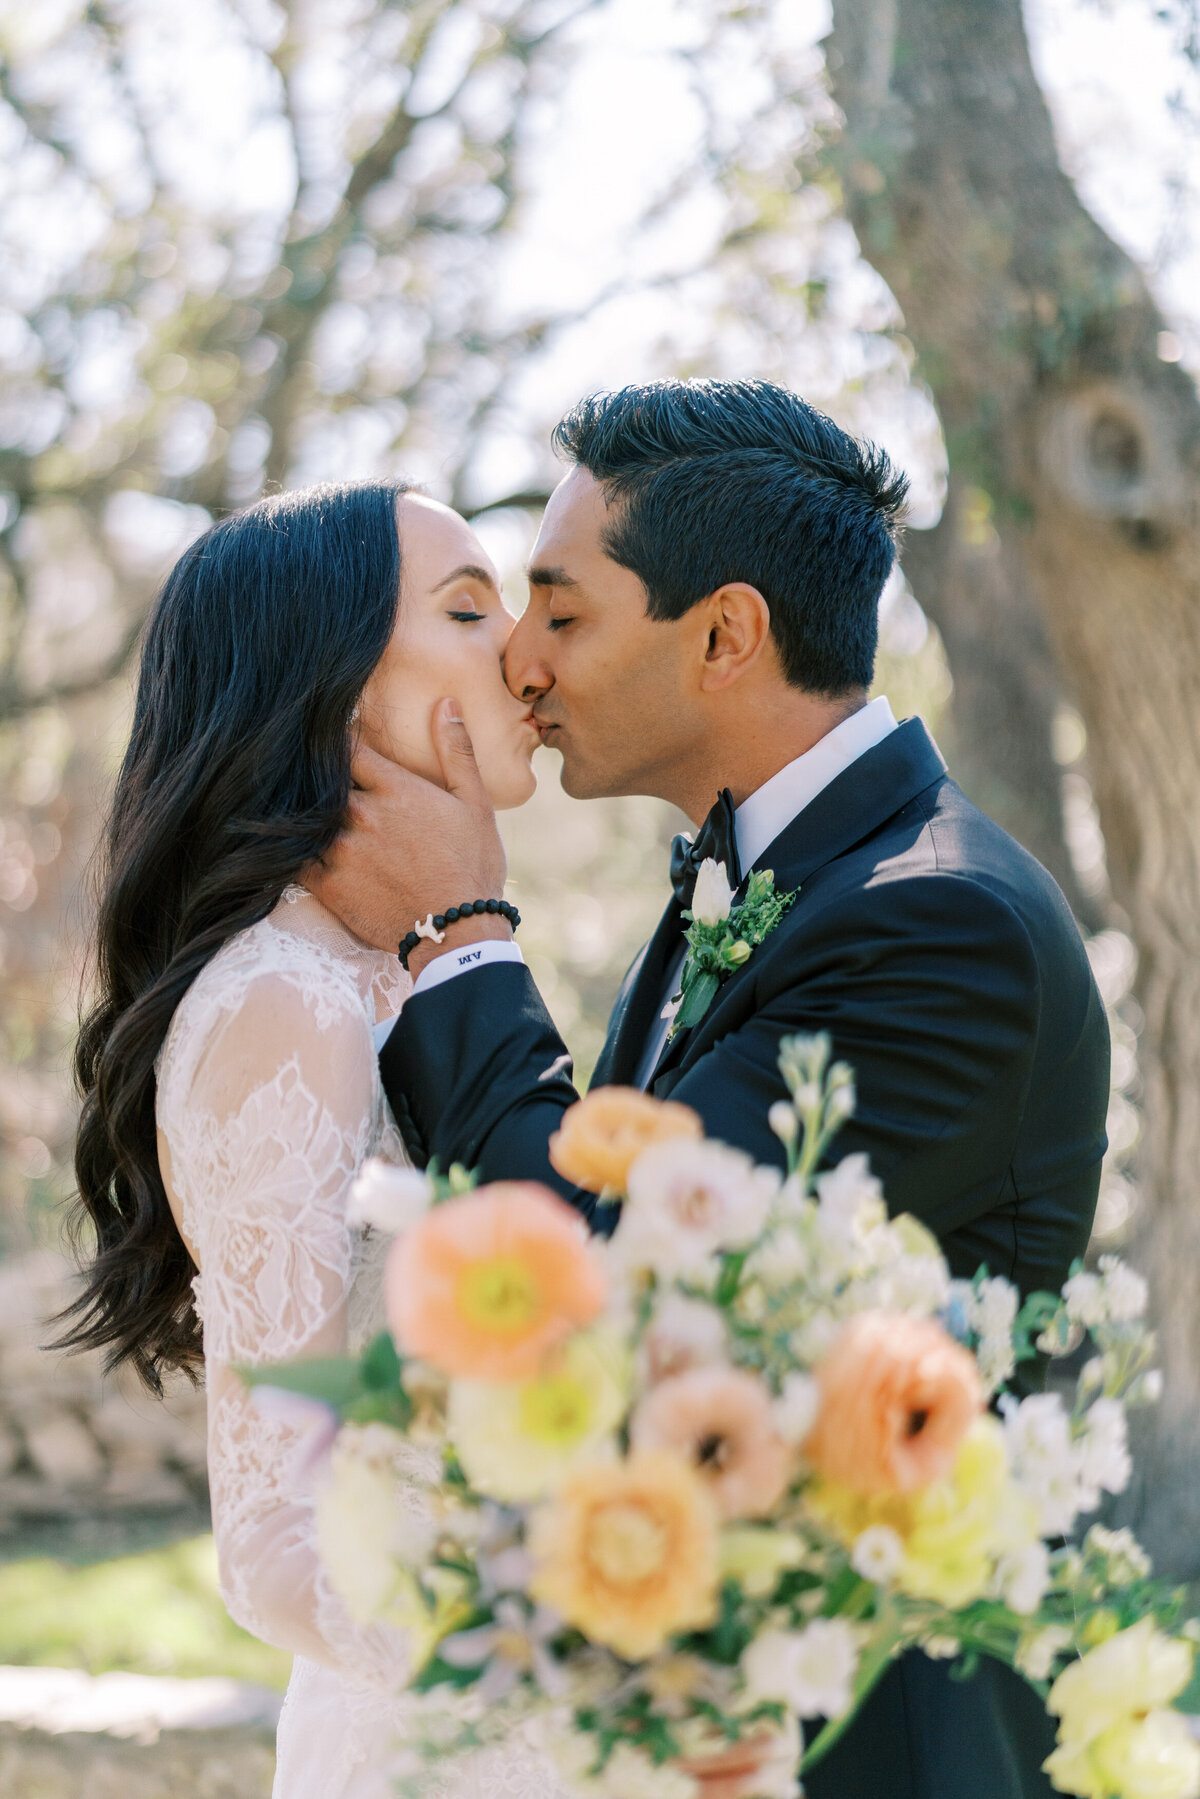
(267, 1098)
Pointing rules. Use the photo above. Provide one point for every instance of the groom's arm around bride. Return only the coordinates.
(703, 618)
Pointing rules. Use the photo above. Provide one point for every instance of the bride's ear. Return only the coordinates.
(738, 626)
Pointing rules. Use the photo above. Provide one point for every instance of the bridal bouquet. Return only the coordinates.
(637, 1501)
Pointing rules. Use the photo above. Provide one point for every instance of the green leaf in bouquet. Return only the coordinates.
(381, 1364)
(394, 1408)
(334, 1380)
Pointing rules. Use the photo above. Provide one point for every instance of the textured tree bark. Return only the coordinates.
(1079, 448)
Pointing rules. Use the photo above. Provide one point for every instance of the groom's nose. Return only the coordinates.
(525, 673)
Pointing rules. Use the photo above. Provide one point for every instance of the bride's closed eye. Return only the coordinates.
(468, 618)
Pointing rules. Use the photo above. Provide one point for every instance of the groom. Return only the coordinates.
(702, 624)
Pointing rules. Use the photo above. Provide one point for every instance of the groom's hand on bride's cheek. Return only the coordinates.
(410, 849)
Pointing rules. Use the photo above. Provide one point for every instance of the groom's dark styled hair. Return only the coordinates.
(719, 481)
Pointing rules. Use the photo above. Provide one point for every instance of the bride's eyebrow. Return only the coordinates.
(470, 571)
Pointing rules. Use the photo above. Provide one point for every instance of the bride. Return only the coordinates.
(228, 1071)
(228, 1067)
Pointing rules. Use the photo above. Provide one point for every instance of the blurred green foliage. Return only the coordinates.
(158, 1612)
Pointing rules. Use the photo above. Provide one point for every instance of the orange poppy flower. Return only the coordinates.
(483, 1285)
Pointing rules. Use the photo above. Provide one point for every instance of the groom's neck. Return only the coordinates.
(746, 745)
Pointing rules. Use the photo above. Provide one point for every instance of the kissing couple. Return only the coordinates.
(305, 958)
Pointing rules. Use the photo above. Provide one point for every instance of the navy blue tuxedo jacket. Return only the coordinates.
(946, 967)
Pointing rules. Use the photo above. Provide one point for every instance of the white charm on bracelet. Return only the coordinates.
(427, 930)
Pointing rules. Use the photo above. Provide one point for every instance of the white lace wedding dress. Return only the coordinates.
(268, 1100)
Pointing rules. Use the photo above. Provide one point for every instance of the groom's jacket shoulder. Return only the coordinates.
(946, 967)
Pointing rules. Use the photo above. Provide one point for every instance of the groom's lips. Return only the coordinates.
(544, 727)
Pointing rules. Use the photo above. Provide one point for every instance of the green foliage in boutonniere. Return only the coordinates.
(722, 937)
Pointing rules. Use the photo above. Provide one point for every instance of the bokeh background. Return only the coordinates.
(246, 243)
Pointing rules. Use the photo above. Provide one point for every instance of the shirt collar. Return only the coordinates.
(768, 811)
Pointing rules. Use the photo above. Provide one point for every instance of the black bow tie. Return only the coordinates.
(716, 838)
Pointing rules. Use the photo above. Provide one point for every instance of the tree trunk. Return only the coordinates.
(1079, 448)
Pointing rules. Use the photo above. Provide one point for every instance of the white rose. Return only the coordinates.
(361, 1535)
(390, 1199)
(811, 1670)
(687, 1200)
(712, 900)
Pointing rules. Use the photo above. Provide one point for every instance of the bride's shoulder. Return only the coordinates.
(267, 986)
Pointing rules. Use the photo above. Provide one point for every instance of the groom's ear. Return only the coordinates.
(737, 621)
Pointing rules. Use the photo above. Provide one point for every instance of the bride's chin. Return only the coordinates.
(510, 787)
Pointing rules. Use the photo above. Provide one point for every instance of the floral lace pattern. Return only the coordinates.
(268, 1100)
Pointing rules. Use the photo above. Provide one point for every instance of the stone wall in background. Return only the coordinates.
(82, 1455)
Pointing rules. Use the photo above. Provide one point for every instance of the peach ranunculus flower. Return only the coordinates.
(627, 1552)
(722, 1420)
(603, 1134)
(897, 1397)
(485, 1284)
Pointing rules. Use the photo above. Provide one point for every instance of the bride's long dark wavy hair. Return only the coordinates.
(237, 775)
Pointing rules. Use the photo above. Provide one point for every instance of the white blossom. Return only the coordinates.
(1125, 1292)
(795, 1411)
(687, 1200)
(712, 899)
(1084, 1294)
(1043, 1459)
(811, 1670)
(388, 1198)
(850, 1197)
(1103, 1453)
(783, 1121)
(877, 1553)
(1036, 1652)
(1022, 1579)
(1127, 1560)
(683, 1333)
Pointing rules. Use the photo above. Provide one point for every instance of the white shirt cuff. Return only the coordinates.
(462, 961)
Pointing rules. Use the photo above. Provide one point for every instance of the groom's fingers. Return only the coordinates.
(369, 770)
(457, 756)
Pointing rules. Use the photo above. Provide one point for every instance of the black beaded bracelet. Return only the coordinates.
(471, 909)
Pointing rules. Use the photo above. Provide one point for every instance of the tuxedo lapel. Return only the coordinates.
(638, 1009)
(862, 798)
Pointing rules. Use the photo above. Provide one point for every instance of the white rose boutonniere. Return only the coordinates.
(721, 937)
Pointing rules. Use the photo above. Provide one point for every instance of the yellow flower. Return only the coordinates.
(757, 1555)
(1137, 1671)
(953, 1530)
(603, 1135)
(1151, 1757)
(628, 1552)
(516, 1440)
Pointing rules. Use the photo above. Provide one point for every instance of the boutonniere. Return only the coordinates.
(722, 937)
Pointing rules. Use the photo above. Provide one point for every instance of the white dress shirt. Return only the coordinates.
(771, 808)
(758, 821)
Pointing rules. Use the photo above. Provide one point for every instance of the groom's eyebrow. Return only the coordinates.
(552, 576)
(470, 571)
